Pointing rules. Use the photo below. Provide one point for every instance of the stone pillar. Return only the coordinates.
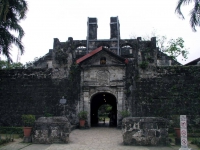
(81, 92)
(119, 103)
(86, 104)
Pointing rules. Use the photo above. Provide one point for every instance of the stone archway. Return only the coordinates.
(98, 100)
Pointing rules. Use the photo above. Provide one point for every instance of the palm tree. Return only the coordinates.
(11, 12)
(195, 12)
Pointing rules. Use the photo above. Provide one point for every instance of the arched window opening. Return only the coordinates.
(127, 51)
(80, 51)
(128, 48)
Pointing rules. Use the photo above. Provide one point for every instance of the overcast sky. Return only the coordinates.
(48, 19)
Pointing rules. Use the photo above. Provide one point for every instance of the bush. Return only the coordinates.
(3, 141)
(82, 115)
(143, 65)
(125, 113)
(196, 141)
(28, 120)
(11, 130)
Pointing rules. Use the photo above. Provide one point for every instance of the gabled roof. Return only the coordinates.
(94, 52)
(194, 62)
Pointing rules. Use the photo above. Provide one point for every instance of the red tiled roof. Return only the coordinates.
(89, 55)
(96, 51)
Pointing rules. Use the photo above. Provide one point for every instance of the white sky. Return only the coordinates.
(48, 19)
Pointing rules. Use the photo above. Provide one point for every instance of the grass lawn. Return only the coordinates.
(6, 138)
(193, 146)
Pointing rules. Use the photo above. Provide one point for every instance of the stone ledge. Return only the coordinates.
(49, 130)
(145, 131)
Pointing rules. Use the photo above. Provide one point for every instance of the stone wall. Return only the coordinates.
(173, 90)
(35, 92)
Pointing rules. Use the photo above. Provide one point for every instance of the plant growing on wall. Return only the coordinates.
(61, 56)
(125, 113)
(143, 65)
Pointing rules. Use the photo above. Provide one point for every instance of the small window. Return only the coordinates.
(103, 60)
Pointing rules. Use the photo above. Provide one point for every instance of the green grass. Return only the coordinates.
(193, 143)
(106, 118)
(6, 138)
(15, 136)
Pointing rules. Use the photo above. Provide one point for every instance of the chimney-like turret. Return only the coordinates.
(92, 28)
(114, 28)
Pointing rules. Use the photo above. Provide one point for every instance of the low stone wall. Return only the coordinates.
(51, 130)
(145, 131)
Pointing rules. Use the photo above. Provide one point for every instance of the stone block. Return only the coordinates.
(145, 131)
(49, 130)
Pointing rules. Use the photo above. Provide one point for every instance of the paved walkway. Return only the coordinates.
(95, 138)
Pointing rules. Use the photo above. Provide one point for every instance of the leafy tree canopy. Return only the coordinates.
(8, 65)
(11, 12)
(104, 110)
(194, 13)
(172, 47)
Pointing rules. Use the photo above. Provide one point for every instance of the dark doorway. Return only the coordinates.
(102, 99)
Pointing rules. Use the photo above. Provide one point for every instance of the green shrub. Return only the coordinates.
(3, 141)
(82, 115)
(11, 130)
(125, 113)
(28, 120)
(143, 65)
(196, 141)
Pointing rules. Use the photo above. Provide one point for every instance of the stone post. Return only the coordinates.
(183, 125)
(119, 103)
(86, 105)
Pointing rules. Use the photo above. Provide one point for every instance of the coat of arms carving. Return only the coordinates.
(103, 77)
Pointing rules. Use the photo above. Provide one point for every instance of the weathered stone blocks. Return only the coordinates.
(145, 131)
(51, 130)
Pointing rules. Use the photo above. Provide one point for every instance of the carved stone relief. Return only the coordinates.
(103, 77)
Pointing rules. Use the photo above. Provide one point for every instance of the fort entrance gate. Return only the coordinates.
(99, 79)
(97, 101)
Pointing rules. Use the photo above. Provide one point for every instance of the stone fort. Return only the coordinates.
(128, 74)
